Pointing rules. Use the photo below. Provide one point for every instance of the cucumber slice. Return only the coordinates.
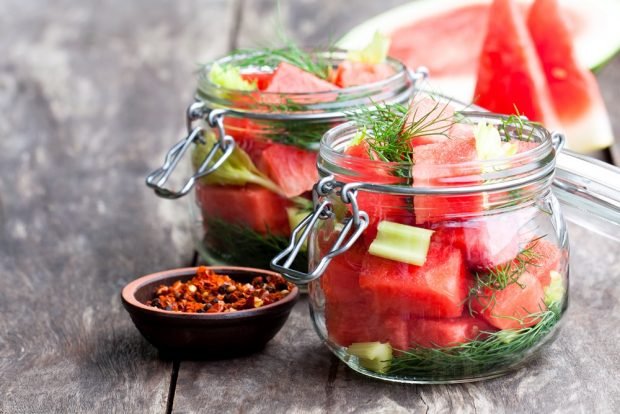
(402, 243)
(374, 356)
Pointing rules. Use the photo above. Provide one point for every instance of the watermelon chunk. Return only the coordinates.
(436, 165)
(440, 333)
(437, 289)
(347, 324)
(290, 79)
(395, 330)
(512, 307)
(548, 257)
(574, 90)
(509, 72)
(351, 73)
(340, 281)
(251, 205)
(434, 118)
(291, 168)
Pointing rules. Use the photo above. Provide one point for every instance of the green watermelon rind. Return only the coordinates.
(593, 56)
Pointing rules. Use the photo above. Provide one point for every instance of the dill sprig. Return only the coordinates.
(290, 53)
(237, 243)
(393, 126)
(492, 351)
(500, 277)
(517, 127)
(302, 134)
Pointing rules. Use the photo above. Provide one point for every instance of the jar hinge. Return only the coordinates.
(225, 145)
(352, 230)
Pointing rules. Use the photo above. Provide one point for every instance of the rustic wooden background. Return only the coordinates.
(92, 93)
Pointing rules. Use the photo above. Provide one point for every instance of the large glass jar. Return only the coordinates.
(492, 288)
(272, 138)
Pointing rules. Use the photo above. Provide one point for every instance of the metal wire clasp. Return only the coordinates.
(352, 230)
(225, 144)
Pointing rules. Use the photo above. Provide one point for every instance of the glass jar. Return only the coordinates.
(492, 288)
(244, 221)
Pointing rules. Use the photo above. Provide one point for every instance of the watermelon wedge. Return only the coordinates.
(574, 90)
(453, 28)
(254, 206)
(347, 324)
(548, 257)
(436, 289)
(292, 169)
(510, 74)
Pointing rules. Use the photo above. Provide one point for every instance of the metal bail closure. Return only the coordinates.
(558, 140)
(352, 230)
(225, 145)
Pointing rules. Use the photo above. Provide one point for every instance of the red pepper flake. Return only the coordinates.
(208, 292)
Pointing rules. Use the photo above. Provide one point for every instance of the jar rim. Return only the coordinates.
(524, 168)
(312, 105)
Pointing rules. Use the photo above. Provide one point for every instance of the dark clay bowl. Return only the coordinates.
(203, 335)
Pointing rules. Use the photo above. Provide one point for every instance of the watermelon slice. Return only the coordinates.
(289, 79)
(440, 333)
(513, 306)
(291, 168)
(351, 73)
(510, 74)
(437, 289)
(437, 165)
(575, 92)
(340, 281)
(452, 27)
(254, 206)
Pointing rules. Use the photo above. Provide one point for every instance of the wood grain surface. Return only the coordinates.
(92, 94)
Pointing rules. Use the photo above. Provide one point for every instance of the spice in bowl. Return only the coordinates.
(209, 292)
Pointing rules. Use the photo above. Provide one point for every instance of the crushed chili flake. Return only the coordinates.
(208, 292)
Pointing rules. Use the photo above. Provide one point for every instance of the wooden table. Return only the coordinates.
(92, 94)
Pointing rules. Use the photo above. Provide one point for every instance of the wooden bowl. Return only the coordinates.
(204, 335)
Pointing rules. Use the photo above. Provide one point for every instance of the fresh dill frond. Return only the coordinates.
(393, 126)
(517, 127)
(385, 123)
(302, 134)
(290, 53)
(490, 351)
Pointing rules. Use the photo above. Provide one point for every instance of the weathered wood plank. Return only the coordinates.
(92, 94)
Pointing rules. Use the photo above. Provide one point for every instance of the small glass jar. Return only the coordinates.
(492, 289)
(246, 223)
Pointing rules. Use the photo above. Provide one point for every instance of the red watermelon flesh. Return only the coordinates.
(290, 79)
(254, 147)
(395, 330)
(347, 324)
(340, 281)
(510, 74)
(434, 118)
(440, 333)
(292, 169)
(262, 79)
(351, 73)
(494, 239)
(378, 206)
(437, 165)
(437, 289)
(548, 257)
(251, 205)
(512, 307)
(574, 90)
